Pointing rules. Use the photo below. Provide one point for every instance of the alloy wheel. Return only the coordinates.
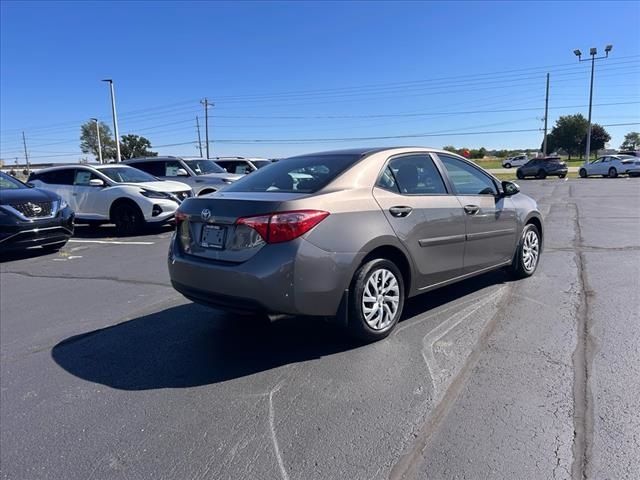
(530, 250)
(380, 299)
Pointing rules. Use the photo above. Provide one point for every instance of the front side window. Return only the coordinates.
(467, 179)
(83, 177)
(171, 168)
(413, 175)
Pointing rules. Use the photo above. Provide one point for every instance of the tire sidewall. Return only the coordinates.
(613, 173)
(583, 173)
(357, 323)
(128, 228)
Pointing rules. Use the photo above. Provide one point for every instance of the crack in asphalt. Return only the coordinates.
(582, 360)
(78, 277)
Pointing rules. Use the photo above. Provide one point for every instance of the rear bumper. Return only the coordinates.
(293, 278)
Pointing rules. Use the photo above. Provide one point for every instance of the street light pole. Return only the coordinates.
(99, 144)
(115, 118)
(592, 52)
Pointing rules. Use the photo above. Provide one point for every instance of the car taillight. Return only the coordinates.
(180, 216)
(284, 226)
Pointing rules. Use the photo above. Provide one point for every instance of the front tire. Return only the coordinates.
(520, 175)
(127, 218)
(527, 254)
(377, 299)
(507, 165)
(613, 173)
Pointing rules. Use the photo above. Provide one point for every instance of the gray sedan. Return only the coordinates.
(351, 234)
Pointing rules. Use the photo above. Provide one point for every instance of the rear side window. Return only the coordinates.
(467, 179)
(57, 177)
(306, 174)
(414, 175)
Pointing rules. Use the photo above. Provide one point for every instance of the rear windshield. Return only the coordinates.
(298, 174)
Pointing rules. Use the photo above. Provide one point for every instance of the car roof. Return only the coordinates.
(83, 165)
(364, 151)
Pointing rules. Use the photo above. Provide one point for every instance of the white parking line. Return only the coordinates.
(111, 242)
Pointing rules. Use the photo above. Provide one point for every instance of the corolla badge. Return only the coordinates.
(205, 214)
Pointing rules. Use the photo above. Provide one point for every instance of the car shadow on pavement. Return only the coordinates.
(191, 345)
(109, 231)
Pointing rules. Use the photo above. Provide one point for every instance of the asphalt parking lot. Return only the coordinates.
(107, 372)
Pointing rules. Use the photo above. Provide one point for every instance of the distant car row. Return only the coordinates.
(606, 166)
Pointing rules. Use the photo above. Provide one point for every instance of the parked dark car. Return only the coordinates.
(32, 217)
(542, 168)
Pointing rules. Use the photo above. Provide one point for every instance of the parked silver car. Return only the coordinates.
(351, 234)
(202, 175)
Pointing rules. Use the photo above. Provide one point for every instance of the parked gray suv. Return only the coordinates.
(202, 175)
(351, 234)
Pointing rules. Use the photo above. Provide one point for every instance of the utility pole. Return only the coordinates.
(115, 118)
(99, 143)
(26, 155)
(546, 116)
(593, 52)
(206, 104)
(199, 139)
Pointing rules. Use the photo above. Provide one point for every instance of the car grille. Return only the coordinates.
(34, 209)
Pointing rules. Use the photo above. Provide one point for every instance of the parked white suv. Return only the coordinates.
(516, 161)
(110, 193)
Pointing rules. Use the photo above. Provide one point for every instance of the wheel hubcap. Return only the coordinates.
(530, 250)
(380, 299)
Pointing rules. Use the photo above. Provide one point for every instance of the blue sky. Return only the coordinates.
(303, 76)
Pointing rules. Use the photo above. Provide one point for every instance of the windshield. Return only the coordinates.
(295, 175)
(9, 183)
(261, 163)
(127, 174)
(203, 166)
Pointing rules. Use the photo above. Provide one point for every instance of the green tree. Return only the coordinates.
(450, 148)
(631, 141)
(568, 134)
(89, 140)
(134, 146)
(599, 138)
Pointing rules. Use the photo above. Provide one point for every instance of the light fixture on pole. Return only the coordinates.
(99, 143)
(115, 118)
(592, 52)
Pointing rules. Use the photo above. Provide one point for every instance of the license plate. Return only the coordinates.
(212, 236)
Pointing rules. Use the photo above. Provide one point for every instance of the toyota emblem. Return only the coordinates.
(205, 214)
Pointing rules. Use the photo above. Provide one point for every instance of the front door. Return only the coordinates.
(427, 218)
(490, 218)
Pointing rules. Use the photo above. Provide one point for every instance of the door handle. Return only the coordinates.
(400, 211)
(471, 209)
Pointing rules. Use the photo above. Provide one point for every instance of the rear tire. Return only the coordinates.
(613, 173)
(582, 173)
(127, 218)
(507, 165)
(527, 254)
(541, 174)
(376, 300)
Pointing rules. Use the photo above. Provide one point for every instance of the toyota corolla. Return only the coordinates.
(351, 234)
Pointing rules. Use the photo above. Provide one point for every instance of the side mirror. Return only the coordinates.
(96, 182)
(509, 188)
(247, 170)
(181, 172)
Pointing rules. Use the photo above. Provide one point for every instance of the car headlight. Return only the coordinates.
(63, 204)
(154, 194)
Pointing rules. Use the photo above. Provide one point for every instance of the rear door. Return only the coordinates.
(425, 216)
(490, 218)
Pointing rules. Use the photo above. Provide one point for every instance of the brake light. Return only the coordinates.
(180, 216)
(284, 226)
